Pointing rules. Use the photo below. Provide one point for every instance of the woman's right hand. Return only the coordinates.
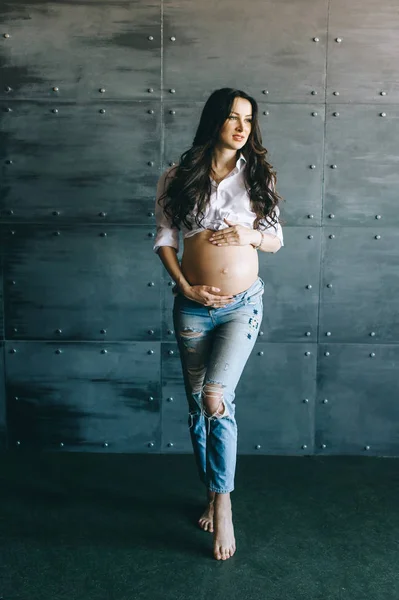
(204, 294)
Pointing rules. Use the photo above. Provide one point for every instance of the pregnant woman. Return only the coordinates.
(222, 197)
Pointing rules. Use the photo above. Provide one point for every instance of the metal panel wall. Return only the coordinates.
(97, 98)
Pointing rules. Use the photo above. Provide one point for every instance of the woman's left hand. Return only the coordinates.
(234, 235)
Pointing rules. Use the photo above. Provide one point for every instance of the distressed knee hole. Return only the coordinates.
(214, 400)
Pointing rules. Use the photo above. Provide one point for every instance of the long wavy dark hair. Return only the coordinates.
(190, 187)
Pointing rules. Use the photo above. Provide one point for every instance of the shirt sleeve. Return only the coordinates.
(167, 234)
(275, 229)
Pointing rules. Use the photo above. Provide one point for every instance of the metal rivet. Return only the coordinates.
(328, 333)
(338, 40)
(304, 446)
(333, 166)
(150, 37)
(170, 399)
(151, 284)
(61, 444)
(335, 114)
(170, 331)
(260, 333)
(150, 111)
(336, 93)
(329, 285)
(150, 398)
(323, 446)
(170, 444)
(367, 447)
(103, 234)
(308, 353)
(151, 234)
(309, 286)
(310, 236)
(305, 401)
(150, 90)
(150, 352)
(102, 90)
(314, 114)
(170, 352)
(8, 109)
(310, 216)
(257, 447)
(150, 214)
(58, 351)
(172, 112)
(378, 216)
(383, 114)
(372, 333)
(105, 444)
(150, 444)
(102, 110)
(372, 354)
(331, 236)
(6, 35)
(55, 89)
(172, 91)
(313, 92)
(18, 443)
(103, 331)
(326, 354)
(150, 163)
(54, 110)
(260, 353)
(383, 93)
(331, 216)
(265, 92)
(104, 351)
(316, 39)
(308, 334)
(173, 39)
(377, 237)
(171, 163)
(266, 113)
(312, 166)
(9, 161)
(151, 332)
(8, 88)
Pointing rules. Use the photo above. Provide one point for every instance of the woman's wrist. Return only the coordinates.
(258, 242)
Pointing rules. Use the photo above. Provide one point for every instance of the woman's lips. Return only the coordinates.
(238, 137)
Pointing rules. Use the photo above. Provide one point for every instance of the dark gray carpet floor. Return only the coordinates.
(123, 527)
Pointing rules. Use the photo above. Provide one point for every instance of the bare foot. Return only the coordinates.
(206, 519)
(224, 543)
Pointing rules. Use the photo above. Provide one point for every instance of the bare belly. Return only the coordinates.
(233, 269)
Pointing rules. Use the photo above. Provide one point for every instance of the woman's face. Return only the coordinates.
(238, 123)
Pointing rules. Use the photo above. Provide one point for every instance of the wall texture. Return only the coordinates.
(97, 98)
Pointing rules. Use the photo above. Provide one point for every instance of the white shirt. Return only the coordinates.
(229, 199)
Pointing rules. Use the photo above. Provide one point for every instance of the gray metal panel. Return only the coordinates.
(275, 400)
(262, 46)
(364, 63)
(81, 47)
(3, 424)
(357, 400)
(82, 282)
(83, 397)
(364, 147)
(290, 307)
(361, 305)
(294, 136)
(85, 164)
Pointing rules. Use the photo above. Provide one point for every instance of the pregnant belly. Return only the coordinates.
(233, 269)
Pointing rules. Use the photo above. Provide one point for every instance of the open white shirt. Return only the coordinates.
(229, 199)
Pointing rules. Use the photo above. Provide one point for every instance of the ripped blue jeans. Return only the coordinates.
(214, 346)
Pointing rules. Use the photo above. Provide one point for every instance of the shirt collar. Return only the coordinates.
(241, 160)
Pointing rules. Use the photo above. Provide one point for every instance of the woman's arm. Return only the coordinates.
(168, 256)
